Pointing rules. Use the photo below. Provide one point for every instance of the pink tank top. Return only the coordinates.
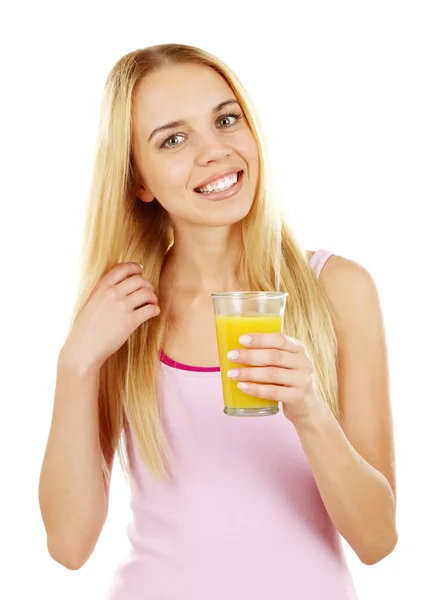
(240, 518)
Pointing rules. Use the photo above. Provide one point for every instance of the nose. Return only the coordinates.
(212, 148)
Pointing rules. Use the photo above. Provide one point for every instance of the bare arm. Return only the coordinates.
(353, 461)
(357, 496)
(72, 492)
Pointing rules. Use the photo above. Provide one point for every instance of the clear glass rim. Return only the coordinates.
(252, 295)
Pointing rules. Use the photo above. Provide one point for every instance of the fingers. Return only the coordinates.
(125, 283)
(145, 312)
(268, 357)
(140, 298)
(271, 340)
(256, 378)
(123, 280)
(120, 272)
(133, 283)
(276, 393)
(275, 375)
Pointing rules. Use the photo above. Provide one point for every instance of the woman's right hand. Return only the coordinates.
(120, 302)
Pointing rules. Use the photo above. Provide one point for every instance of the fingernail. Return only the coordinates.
(233, 354)
(242, 386)
(245, 340)
(233, 373)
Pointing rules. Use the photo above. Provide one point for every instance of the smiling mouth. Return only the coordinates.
(227, 184)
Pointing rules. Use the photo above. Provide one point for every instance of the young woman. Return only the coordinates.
(223, 507)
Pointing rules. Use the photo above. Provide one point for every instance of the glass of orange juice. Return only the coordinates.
(237, 314)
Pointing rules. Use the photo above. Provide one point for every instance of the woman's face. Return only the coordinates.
(207, 140)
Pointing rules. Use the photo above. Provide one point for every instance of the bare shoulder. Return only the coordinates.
(343, 277)
(333, 261)
(351, 292)
(338, 264)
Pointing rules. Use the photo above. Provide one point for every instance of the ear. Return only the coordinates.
(144, 194)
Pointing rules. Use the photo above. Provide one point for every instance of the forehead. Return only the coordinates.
(178, 92)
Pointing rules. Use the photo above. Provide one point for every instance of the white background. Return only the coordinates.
(347, 92)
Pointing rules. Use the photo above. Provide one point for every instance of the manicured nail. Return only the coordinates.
(245, 340)
(233, 354)
(242, 386)
(233, 373)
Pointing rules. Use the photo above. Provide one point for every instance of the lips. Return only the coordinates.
(224, 194)
(217, 176)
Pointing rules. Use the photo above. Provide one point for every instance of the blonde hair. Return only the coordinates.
(119, 228)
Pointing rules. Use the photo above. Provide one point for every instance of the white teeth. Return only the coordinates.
(221, 184)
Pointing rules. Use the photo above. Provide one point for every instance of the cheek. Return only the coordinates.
(253, 152)
(171, 172)
(247, 148)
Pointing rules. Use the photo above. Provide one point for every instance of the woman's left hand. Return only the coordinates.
(280, 369)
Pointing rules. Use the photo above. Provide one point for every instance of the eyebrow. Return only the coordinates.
(173, 124)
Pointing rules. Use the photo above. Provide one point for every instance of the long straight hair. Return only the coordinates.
(119, 227)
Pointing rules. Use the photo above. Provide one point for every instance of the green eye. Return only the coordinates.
(229, 116)
(234, 117)
(167, 145)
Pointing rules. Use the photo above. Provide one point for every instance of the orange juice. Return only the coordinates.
(229, 328)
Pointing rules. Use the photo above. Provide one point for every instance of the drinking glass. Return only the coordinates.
(237, 314)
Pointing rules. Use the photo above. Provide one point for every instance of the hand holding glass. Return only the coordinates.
(237, 314)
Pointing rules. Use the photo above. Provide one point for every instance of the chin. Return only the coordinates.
(229, 216)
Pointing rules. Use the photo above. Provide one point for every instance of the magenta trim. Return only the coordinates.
(176, 365)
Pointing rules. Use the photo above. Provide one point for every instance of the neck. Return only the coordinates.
(204, 261)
